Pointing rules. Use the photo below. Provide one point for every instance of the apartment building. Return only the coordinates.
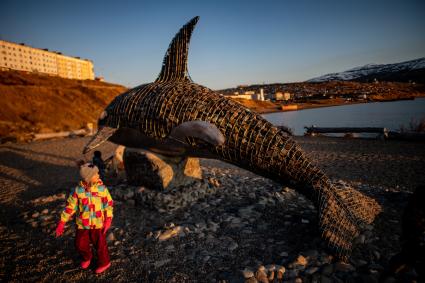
(21, 57)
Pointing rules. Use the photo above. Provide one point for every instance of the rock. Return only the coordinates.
(159, 172)
(233, 246)
(45, 211)
(160, 263)
(343, 267)
(271, 275)
(281, 269)
(305, 221)
(261, 275)
(301, 260)
(311, 270)
(327, 269)
(367, 278)
(291, 273)
(375, 266)
(214, 182)
(247, 273)
(360, 239)
(35, 214)
(280, 272)
(284, 254)
(359, 262)
(251, 280)
(129, 195)
(390, 279)
(170, 233)
(169, 248)
(376, 254)
(110, 237)
(311, 254)
(325, 279)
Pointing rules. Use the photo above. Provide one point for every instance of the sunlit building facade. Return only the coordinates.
(21, 57)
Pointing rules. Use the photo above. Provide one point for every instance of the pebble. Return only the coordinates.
(325, 279)
(170, 233)
(311, 270)
(261, 275)
(343, 267)
(247, 273)
(376, 254)
(284, 254)
(111, 237)
(327, 269)
(160, 263)
(305, 221)
(251, 280)
(301, 260)
(311, 254)
(280, 272)
(358, 262)
(35, 214)
(45, 211)
(233, 246)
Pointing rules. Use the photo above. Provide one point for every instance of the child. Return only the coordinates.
(98, 161)
(94, 206)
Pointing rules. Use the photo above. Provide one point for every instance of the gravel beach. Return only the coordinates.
(241, 228)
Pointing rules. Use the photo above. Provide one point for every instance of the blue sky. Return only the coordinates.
(235, 42)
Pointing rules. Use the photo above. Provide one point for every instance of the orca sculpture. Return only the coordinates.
(175, 116)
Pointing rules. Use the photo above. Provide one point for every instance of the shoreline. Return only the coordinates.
(306, 106)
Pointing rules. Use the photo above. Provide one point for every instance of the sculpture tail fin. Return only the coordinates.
(174, 66)
(342, 212)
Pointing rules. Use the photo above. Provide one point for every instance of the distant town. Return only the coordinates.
(293, 96)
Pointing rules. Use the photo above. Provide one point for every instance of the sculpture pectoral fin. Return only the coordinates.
(102, 135)
(198, 129)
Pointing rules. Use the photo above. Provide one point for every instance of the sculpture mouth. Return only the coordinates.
(102, 135)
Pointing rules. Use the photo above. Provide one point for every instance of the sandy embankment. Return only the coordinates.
(242, 226)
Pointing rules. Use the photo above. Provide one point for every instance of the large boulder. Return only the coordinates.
(159, 172)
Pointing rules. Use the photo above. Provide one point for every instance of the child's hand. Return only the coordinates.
(60, 228)
(106, 224)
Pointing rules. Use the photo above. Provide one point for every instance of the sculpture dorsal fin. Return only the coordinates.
(174, 66)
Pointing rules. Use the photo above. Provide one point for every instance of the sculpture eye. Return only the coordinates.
(103, 115)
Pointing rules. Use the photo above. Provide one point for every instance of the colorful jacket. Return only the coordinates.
(93, 205)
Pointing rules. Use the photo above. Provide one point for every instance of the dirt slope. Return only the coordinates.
(32, 103)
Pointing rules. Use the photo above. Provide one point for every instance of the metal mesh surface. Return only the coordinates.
(251, 142)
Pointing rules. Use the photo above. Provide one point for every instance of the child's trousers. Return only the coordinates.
(85, 237)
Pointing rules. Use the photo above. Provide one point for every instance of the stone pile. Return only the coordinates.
(162, 201)
(229, 227)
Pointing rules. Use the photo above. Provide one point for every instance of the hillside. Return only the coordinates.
(408, 71)
(32, 103)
